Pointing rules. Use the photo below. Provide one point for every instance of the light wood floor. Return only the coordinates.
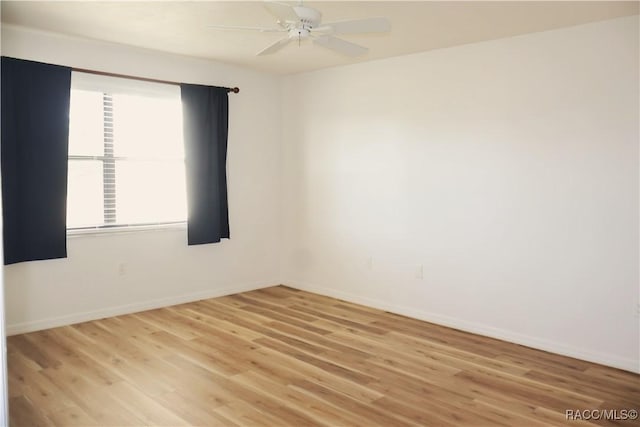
(278, 357)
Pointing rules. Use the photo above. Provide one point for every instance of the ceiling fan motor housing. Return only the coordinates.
(309, 18)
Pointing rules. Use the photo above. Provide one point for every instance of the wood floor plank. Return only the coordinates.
(96, 401)
(23, 414)
(284, 357)
(43, 394)
(144, 406)
(338, 311)
(272, 315)
(199, 388)
(339, 320)
(72, 416)
(448, 354)
(323, 340)
(287, 369)
(368, 412)
(32, 352)
(197, 352)
(261, 400)
(522, 415)
(60, 350)
(273, 311)
(314, 408)
(217, 322)
(318, 362)
(418, 415)
(163, 320)
(195, 411)
(542, 394)
(593, 387)
(245, 414)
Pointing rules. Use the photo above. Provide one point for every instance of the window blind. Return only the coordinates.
(126, 158)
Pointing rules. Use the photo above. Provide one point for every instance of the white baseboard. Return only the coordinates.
(52, 322)
(488, 331)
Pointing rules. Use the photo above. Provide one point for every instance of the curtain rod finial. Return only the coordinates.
(234, 90)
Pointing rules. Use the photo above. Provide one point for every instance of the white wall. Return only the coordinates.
(492, 187)
(110, 274)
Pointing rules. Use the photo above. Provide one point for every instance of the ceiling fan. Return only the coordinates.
(301, 22)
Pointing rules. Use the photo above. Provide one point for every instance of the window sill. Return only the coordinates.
(79, 232)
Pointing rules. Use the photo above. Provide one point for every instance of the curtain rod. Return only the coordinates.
(144, 79)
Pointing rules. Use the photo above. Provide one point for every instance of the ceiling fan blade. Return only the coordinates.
(355, 26)
(240, 28)
(273, 48)
(284, 12)
(341, 46)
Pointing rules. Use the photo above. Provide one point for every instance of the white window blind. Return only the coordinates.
(126, 155)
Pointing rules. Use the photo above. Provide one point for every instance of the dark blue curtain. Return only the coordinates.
(34, 141)
(205, 120)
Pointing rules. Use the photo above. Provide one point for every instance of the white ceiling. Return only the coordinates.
(181, 27)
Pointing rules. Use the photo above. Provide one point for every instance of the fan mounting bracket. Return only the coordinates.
(308, 17)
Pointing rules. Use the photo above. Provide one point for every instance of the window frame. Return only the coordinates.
(133, 228)
(109, 226)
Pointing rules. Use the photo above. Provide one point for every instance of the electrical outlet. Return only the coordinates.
(369, 263)
(420, 272)
(122, 269)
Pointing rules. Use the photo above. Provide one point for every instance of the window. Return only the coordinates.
(126, 153)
